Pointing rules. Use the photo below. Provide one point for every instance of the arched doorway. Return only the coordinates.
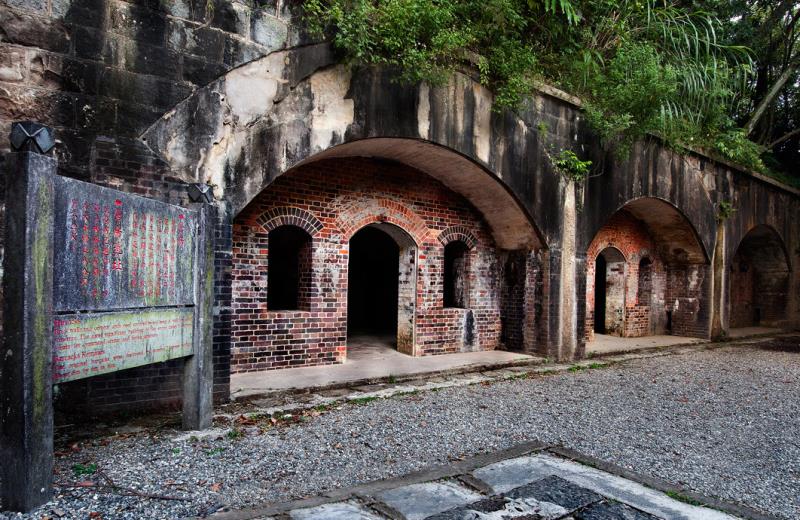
(609, 286)
(381, 288)
(759, 280)
(647, 275)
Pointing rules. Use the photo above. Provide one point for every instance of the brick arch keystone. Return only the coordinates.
(353, 214)
(461, 233)
(289, 216)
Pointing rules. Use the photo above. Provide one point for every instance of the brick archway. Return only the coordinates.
(758, 284)
(461, 233)
(408, 251)
(354, 213)
(334, 199)
(675, 285)
(289, 216)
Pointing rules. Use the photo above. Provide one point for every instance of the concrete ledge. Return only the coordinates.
(250, 385)
(662, 485)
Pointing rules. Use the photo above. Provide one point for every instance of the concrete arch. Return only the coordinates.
(766, 237)
(675, 236)
(759, 279)
(308, 109)
(654, 173)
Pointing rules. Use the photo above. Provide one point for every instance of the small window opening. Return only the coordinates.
(289, 268)
(456, 254)
(645, 281)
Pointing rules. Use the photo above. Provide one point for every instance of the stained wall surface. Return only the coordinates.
(146, 97)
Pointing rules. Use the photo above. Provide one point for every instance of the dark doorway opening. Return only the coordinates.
(600, 295)
(372, 293)
(759, 280)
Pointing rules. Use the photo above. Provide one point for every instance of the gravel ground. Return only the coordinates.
(724, 423)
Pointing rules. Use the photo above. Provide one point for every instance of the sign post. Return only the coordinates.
(198, 372)
(26, 391)
(95, 281)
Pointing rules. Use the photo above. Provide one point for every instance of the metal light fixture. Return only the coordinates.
(199, 192)
(27, 136)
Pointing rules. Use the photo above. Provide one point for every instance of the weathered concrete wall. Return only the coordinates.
(100, 72)
(146, 96)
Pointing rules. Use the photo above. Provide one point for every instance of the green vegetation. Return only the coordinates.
(569, 165)
(725, 210)
(214, 451)
(591, 366)
(683, 498)
(682, 70)
(84, 469)
(363, 400)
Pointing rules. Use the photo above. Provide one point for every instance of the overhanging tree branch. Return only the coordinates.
(783, 138)
(761, 109)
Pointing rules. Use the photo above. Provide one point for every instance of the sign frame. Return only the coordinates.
(27, 366)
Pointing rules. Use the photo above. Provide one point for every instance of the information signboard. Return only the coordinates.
(116, 250)
(86, 345)
(95, 281)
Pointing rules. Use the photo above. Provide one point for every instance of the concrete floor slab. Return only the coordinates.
(367, 359)
(604, 344)
(509, 474)
(419, 501)
(335, 511)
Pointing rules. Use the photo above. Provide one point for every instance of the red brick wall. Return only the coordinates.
(687, 299)
(332, 199)
(628, 235)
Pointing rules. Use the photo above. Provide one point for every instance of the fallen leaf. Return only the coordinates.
(216, 487)
(245, 420)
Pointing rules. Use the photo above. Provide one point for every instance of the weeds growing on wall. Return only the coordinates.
(640, 66)
(569, 164)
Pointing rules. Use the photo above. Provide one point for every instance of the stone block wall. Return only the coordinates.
(334, 199)
(102, 71)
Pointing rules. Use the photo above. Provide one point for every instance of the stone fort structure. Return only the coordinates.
(348, 203)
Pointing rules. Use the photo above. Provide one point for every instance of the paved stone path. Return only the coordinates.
(536, 486)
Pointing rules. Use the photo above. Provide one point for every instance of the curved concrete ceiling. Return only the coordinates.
(765, 248)
(674, 235)
(511, 226)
